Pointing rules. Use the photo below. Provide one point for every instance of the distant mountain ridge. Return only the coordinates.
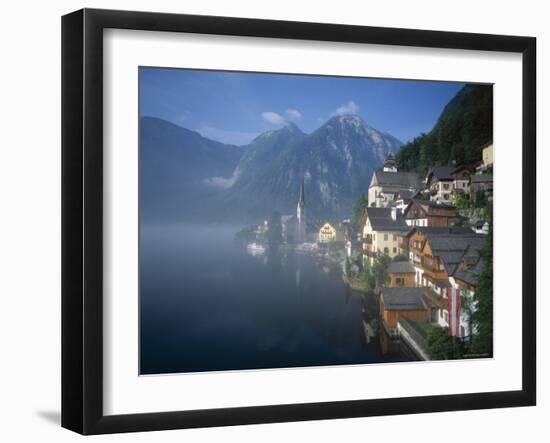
(211, 180)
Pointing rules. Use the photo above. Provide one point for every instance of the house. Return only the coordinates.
(446, 258)
(481, 227)
(380, 228)
(466, 279)
(487, 157)
(436, 251)
(388, 181)
(410, 303)
(481, 183)
(430, 213)
(402, 198)
(461, 176)
(327, 233)
(400, 274)
(439, 182)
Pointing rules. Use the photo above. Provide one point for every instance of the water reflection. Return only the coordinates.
(207, 304)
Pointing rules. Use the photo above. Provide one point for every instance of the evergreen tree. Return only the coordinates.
(442, 346)
(482, 317)
(359, 207)
(465, 124)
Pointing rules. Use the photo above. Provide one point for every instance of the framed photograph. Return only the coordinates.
(269, 221)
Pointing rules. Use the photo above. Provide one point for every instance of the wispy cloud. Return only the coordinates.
(349, 108)
(223, 182)
(276, 119)
(273, 118)
(293, 114)
(230, 137)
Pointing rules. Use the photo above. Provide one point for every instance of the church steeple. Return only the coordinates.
(390, 165)
(302, 200)
(301, 214)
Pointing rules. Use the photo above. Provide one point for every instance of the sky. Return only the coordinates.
(235, 107)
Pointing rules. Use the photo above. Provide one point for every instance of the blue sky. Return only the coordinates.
(235, 107)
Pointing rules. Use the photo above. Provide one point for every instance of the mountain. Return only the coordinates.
(465, 124)
(185, 176)
(335, 162)
(180, 169)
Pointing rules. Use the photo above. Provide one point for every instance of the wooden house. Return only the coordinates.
(409, 303)
(430, 213)
(400, 275)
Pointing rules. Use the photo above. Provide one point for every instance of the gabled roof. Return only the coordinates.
(451, 249)
(431, 231)
(401, 267)
(470, 266)
(381, 220)
(425, 204)
(442, 173)
(460, 168)
(406, 299)
(407, 180)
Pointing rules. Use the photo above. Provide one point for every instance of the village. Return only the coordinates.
(417, 243)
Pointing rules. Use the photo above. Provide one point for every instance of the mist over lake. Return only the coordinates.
(206, 305)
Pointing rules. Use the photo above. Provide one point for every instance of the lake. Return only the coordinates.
(206, 304)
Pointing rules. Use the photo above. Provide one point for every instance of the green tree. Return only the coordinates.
(465, 124)
(441, 346)
(482, 317)
(359, 207)
(275, 228)
(461, 200)
(401, 257)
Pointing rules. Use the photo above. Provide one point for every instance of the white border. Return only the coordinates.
(126, 392)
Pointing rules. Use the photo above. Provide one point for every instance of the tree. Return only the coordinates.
(465, 124)
(359, 207)
(275, 228)
(401, 257)
(482, 317)
(461, 200)
(442, 346)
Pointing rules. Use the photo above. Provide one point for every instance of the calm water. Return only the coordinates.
(206, 304)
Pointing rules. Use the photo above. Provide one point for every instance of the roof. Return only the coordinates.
(401, 266)
(423, 204)
(404, 179)
(431, 231)
(481, 178)
(470, 266)
(406, 299)
(460, 168)
(480, 224)
(442, 173)
(451, 249)
(381, 220)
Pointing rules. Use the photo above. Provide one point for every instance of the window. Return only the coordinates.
(395, 238)
(395, 250)
(446, 186)
(386, 251)
(385, 237)
(399, 281)
(446, 196)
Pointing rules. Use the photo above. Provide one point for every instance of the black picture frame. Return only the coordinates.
(82, 218)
